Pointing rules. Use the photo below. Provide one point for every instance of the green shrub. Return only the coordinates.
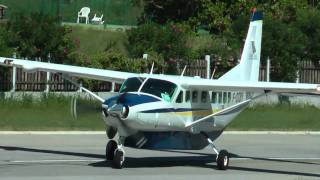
(38, 35)
(169, 41)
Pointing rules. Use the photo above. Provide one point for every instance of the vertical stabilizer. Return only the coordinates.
(248, 68)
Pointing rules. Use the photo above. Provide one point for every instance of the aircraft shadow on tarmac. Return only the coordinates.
(199, 160)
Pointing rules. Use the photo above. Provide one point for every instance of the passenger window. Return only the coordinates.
(229, 97)
(220, 98)
(225, 97)
(179, 98)
(187, 98)
(204, 96)
(214, 97)
(194, 96)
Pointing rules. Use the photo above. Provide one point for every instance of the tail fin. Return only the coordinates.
(248, 68)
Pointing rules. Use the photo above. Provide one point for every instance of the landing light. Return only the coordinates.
(318, 88)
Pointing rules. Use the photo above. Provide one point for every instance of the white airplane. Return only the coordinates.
(155, 111)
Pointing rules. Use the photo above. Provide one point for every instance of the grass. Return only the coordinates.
(53, 112)
(278, 117)
(49, 113)
(115, 12)
(93, 40)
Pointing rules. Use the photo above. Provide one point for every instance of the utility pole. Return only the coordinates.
(207, 58)
(14, 75)
(268, 69)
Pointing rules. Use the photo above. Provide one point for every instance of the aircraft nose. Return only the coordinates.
(105, 110)
(117, 110)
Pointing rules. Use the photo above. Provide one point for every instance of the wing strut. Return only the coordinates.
(225, 110)
(217, 113)
(82, 88)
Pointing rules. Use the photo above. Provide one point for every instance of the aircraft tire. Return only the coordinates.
(223, 160)
(111, 132)
(118, 159)
(110, 149)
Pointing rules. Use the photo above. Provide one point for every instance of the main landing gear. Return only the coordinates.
(222, 158)
(115, 153)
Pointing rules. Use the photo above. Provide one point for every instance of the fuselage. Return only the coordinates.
(151, 107)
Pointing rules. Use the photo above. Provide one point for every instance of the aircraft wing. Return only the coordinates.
(275, 87)
(77, 71)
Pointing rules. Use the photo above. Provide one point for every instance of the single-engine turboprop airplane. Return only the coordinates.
(156, 111)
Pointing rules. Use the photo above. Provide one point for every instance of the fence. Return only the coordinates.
(120, 12)
(37, 81)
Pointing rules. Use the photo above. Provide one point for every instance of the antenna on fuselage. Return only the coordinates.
(184, 69)
(151, 70)
(214, 71)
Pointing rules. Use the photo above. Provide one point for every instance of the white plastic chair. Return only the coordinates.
(97, 20)
(84, 13)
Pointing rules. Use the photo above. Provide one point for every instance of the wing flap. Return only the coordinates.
(77, 71)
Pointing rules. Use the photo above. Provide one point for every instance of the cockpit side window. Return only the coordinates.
(161, 88)
(131, 85)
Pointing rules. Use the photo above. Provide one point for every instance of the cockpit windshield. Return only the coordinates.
(131, 85)
(160, 88)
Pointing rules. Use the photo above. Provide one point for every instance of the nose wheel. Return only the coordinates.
(110, 149)
(118, 159)
(115, 153)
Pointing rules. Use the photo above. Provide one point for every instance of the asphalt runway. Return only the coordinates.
(33, 157)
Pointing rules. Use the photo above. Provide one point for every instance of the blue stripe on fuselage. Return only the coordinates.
(131, 99)
(165, 110)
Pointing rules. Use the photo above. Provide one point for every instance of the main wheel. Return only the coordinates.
(118, 159)
(110, 149)
(223, 160)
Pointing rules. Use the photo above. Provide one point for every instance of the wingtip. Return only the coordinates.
(5, 61)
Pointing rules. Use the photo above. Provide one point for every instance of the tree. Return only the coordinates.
(5, 50)
(285, 45)
(308, 23)
(214, 15)
(169, 40)
(38, 35)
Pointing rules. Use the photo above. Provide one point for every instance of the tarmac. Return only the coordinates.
(32, 156)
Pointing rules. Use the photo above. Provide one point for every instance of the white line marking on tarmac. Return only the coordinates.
(273, 132)
(275, 158)
(95, 160)
(103, 132)
(52, 132)
(53, 160)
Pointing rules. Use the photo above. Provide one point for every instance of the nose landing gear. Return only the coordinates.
(110, 149)
(115, 153)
